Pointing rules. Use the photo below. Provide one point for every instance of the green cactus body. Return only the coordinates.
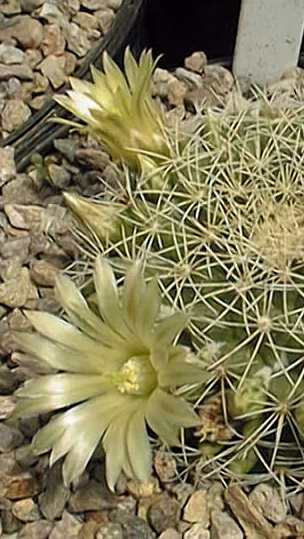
(224, 235)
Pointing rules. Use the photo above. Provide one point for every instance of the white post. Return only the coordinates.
(268, 40)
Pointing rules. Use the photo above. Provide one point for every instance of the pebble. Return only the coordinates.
(196, 62)
(224, 527)
(164, 513)
(10, 54)
(51, 13)
(16, 291)
(110, 531)
(10, 437)
(291, 528)
(26, 30)
(133, 527)
(59, 176)
(15, 113)
(196, 509)
(26, 510)
(52, 68)
(165, 466)
(36, 530)
(69, 526)
(267, 499)
(30, 5)
(53, 40)
(18, 486)
(170, 533)
(20, 190)
(91, 497)
(77, 39)
(7, 165)
(93, 5)
(22, 72)
(197, 531)
(43, 273)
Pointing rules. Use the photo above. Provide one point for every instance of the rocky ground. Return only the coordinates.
(37, 54)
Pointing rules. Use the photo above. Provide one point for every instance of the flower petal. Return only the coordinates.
(59, 330)
(139, 449)
(174, 409)
(167, 432)
(79, 313)
(115, 445)
(181, 369)
(57, 356)
(169, 328)
(81, 452)
(59, 390)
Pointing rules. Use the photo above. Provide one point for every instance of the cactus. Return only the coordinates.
(224, 235)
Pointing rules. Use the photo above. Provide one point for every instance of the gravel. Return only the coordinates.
(40, 48)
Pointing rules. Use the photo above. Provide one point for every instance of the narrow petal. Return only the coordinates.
(134, 290)
(115, 445)
(57, 356)
(167, 432)
(169, 328)
(107, 297)
(139, 449)
(174, 409)
(181, 369)
(81, 452)
(59, 330)
(59, 390)
(79, 313)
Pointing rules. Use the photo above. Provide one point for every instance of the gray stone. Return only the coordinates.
(224, 527)
(164, 513)
(170, 533)
(30, 5)
(11, 7)
(36, 530)
(18, 486)
(43, 273)
(20, 71)
(52, 68)
(196, 62)
(33, 57)
(105, 18)
(77, 39)
(91, 497)
(59, 176)
(37, 219)
(71, 6)
(10, 438)
(53, 500)
(97, 159)
(16, 291)
(93, 4)
(215, 497)
(20, 190)
(14, 88)
(53, 40)
(66, 147)
(15, 113)
(50, 12)
(110, 531)
(10, 54)
(26, 30)
(16, 249)
(26, 510)
(196, 509)
(7, 165)
(113, 4)
(197, 531)
(69, 526)
(267, 499)
(86, 20)
(133, 527)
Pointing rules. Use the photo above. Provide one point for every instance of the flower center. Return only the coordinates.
(136, 377)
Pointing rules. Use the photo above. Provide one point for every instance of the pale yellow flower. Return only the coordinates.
(119, 111)
(119, 367)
